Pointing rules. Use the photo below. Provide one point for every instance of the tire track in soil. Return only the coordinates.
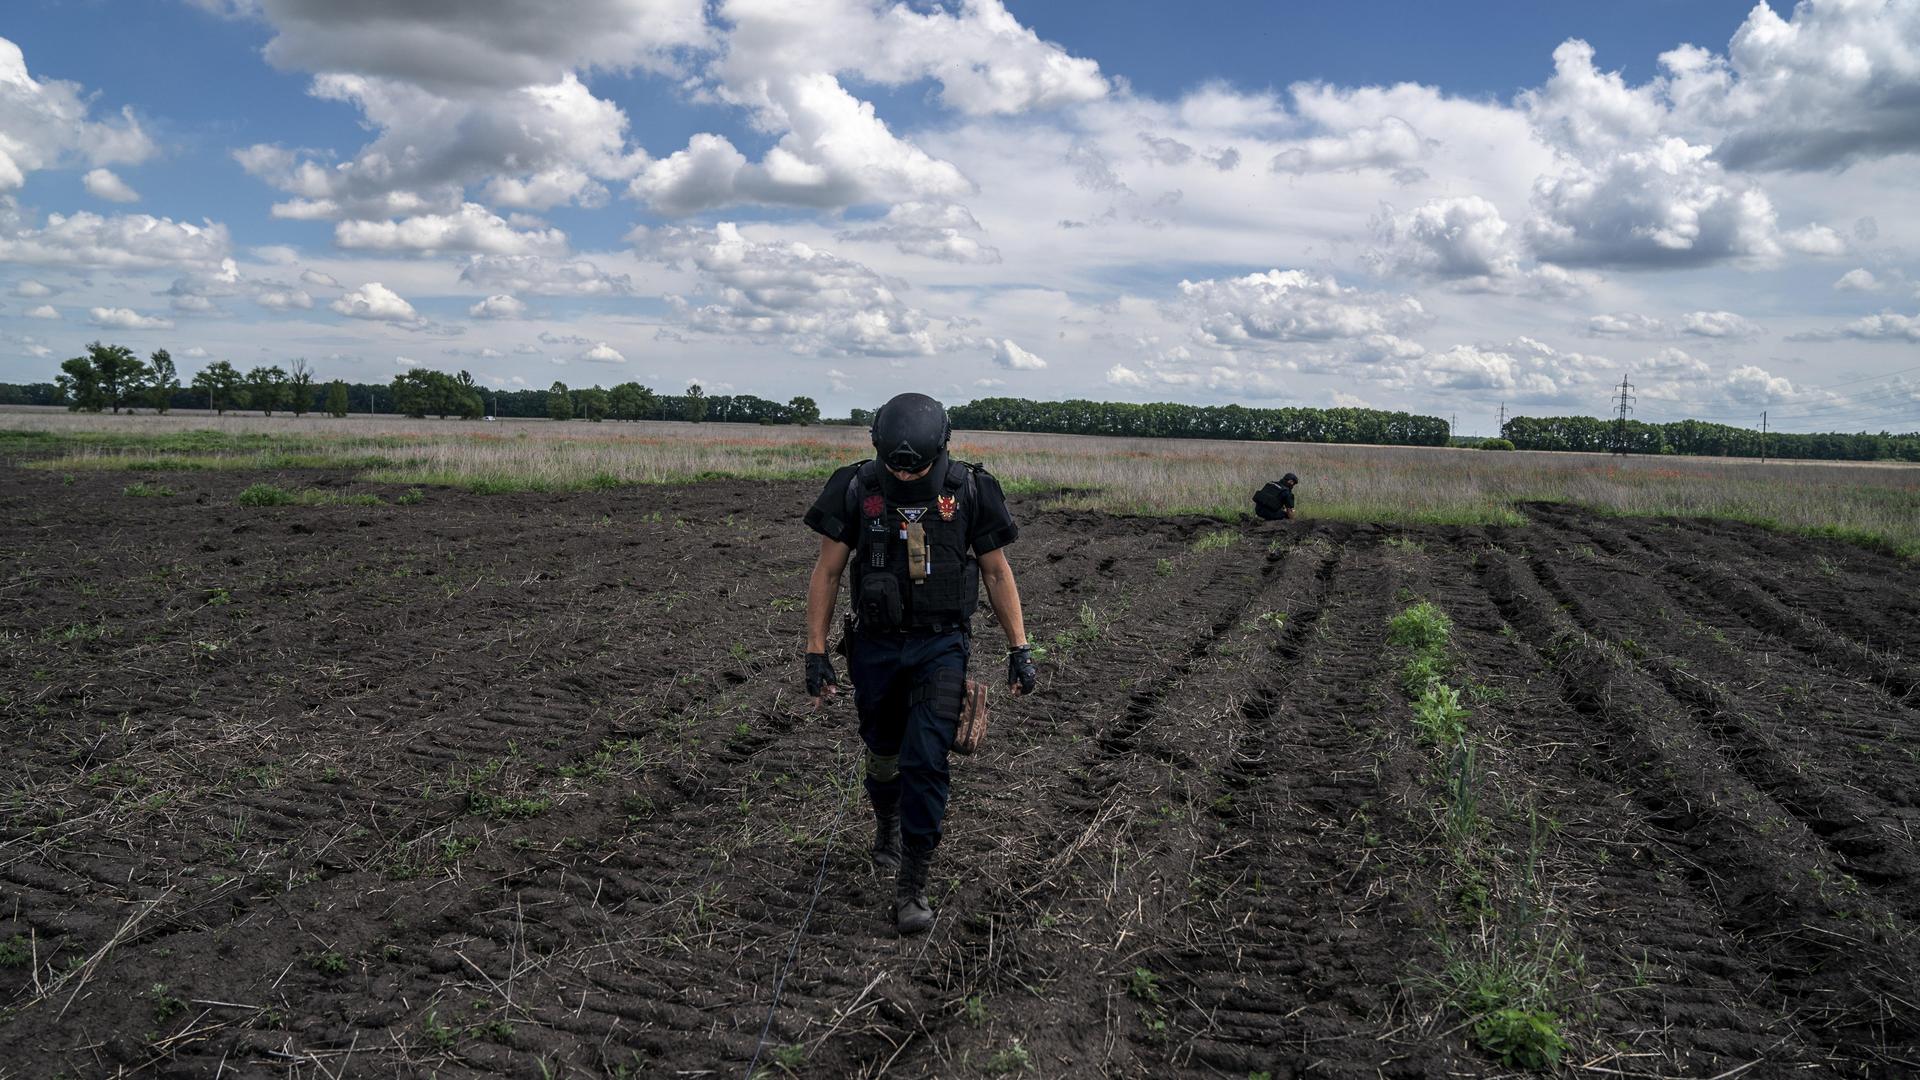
(1870, 597)
(1001, 930)
(1295, 972)
(1841, 978)
(1715, 1009)
(1868, 837)
(1762, 608)
(432, 706)
(849, 925)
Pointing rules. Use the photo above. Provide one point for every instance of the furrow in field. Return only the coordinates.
(1774, 888)
(1764, 718)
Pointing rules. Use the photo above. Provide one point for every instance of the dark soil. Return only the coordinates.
(526, 785)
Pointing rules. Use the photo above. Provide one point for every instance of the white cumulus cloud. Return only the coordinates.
(499, 306)
(106, 184)
(374, 301)
(1009, 355)
(472, 228)
(808, 300)
(126, 319)
(1258, 310)
(45, 124)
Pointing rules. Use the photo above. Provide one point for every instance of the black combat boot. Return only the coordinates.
(911, 913)
(885, 798)
(886, 836)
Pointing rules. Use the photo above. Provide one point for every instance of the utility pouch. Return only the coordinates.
(881, 607)
(971, 730)
(917, 561)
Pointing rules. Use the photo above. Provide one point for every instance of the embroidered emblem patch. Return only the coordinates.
(912, 513)
(948, 504)
(873, 506)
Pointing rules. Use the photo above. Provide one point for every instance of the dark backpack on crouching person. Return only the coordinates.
(1272, 501)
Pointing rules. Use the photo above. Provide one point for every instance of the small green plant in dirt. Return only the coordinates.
(1143, 985)
(1013, 1059)
(438, 1035)
(265, 495)
(16, 951)
(788, 1059)
(1463, 791)
(1422, 627)
(1217, 540)
(329, 962)
(1439, 716)
(165, 1005)
(1271, 620)
(411, 497)
(1507, 994)
(1163, 567)
(975, 1010)
(1526, 1038)
(1155, 1028)
(143, 490)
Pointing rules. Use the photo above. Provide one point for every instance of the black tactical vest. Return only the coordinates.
(914, 571)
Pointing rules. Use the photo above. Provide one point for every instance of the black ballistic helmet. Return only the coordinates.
(1289, 479)
(909, 432)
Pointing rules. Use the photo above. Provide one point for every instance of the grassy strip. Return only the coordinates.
(272, 495)
(1873, 506)
(1504, 974)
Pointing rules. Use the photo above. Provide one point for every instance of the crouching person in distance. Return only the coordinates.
(922, 532)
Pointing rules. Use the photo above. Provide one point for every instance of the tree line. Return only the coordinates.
(112, 377)
(1700, 438)
(1169, 420)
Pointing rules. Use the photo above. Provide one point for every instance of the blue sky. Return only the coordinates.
(1403, 205)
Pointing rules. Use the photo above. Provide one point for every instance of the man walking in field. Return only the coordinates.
(922, 533)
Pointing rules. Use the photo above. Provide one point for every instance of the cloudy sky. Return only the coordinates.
(1439, 208)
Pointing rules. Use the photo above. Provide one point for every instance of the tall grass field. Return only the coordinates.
(1873, 504)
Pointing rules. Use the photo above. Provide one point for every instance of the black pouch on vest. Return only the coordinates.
(880, 605)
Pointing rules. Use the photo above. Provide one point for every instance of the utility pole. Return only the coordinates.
(1624, 403)
(1453, 425)
(1501, 431)
(1763, 436)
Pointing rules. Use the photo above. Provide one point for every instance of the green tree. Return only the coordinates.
(109, 376)
(300, 386)
(222, 383)
(266, 388)
(336, 398)
(803, 410)
(559, 402)
(79, 385)
(162, 381)
(630, 401)
(695, 407)
(593, 404)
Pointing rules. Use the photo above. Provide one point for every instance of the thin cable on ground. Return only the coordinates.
(793, 946)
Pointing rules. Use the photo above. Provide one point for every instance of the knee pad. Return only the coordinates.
(883, 768)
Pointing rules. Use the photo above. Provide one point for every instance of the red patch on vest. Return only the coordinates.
(948, 504)
(874, 506)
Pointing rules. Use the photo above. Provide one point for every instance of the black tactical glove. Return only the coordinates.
(1021, 674)
(820, 677)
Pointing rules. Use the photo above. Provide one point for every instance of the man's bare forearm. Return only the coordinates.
(1004, 595)
(823, 589)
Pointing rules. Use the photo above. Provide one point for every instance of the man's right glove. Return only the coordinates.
(1022, 676)
(820, 677)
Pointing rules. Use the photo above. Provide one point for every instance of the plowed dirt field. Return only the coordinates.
(525, 785)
